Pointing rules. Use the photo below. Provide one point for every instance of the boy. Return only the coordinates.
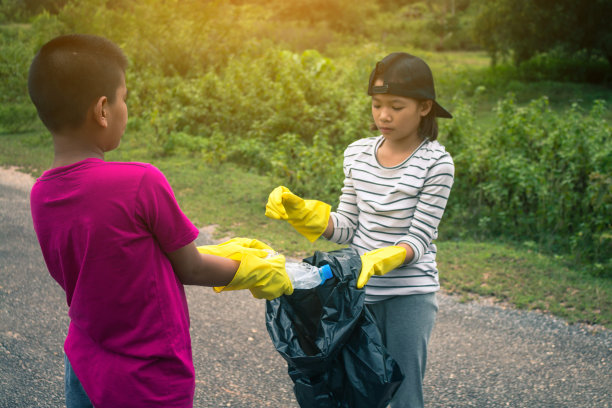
(115, 239)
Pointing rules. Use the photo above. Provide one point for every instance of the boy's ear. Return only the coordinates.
(100, 111)
(426, 107)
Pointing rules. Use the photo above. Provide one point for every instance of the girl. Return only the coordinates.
(395, 191)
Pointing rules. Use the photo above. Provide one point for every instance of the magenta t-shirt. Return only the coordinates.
(104, 229)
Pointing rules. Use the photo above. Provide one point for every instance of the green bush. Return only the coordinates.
(536, 176)
(559, 65)
(427, 25)
(14, 63)
(284, 114)
(17, 114)
(310, 170)
(17, 118)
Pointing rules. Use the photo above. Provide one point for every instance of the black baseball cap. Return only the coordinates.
(405, 75)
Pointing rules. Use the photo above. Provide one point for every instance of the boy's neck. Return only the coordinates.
(70, 149)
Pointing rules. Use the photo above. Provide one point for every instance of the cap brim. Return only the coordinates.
(441, 112)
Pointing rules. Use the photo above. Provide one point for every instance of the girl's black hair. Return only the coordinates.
(428, 127)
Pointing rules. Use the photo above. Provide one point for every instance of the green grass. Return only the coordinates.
(234, 200)
(31, 151)
(525, 279)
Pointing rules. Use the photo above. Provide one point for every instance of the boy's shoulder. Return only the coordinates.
(128, 165)
(128, 171)
(134, 171)
(101, 171)
(136, 167)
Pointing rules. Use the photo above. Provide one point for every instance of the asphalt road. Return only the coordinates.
(481, 355)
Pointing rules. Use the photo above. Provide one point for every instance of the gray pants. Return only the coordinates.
(405, 323)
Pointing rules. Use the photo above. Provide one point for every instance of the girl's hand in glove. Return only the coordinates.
(308, 217)
(379, 262)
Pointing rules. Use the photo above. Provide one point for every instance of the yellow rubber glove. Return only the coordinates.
(308, 217)
(263, 275)
(379, 262)
(235, 247)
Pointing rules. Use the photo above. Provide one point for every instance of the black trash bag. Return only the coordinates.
(330, 341)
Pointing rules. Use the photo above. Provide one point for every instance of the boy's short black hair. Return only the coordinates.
(71, 72)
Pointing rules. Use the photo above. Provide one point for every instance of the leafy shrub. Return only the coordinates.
(17, 114)
(14, 63)
(22, 10)
(427, 25)
(312, 171)
(536, 175)
(267, 113)
(560, 65)
(16, 118)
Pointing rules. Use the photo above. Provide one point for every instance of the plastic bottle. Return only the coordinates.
(306, 276)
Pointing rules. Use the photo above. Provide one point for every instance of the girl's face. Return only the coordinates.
(398, 117)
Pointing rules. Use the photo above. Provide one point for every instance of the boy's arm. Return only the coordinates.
(195, 268)
(240, 263)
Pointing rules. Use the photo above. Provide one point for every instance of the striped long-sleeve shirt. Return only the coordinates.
(381, 206)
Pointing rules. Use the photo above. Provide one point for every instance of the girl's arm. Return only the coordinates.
(409, 252)
(429, 209)
(329, 230)
(343, 223)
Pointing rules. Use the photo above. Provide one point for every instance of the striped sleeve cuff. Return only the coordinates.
(343, 229)
(417, 246)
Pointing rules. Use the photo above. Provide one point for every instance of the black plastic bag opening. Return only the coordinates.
(330, 341)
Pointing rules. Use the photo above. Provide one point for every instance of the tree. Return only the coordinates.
(15, 10)
(524, 28)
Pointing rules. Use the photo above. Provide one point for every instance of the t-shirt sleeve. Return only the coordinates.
(160, 212)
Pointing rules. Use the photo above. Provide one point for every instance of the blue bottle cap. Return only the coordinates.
(326, 272)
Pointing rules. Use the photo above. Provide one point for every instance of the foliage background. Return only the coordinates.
(279, 88)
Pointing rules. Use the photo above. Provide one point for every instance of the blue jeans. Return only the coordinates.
(75, 394)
